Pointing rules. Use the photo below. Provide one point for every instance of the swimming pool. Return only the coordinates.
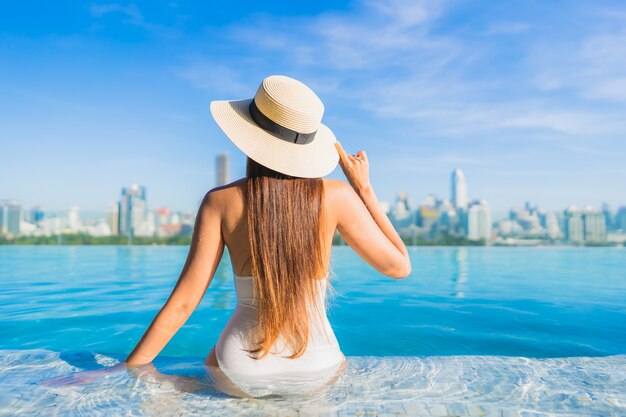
(473, 331)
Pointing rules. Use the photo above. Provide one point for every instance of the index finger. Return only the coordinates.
(342, 154)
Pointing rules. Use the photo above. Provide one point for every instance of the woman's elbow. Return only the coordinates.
(400, 271)
(178, 312)
(403, 273)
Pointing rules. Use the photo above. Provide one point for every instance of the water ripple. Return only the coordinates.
(439, 385)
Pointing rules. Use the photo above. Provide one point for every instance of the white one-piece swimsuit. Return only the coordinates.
(321, 358)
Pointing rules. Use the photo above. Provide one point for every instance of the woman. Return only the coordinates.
(278, 224)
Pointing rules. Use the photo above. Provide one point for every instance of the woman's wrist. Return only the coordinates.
(365, 191)
(135, 359)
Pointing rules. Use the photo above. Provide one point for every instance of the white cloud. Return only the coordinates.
(610, 89)
(594, 67)
(214, 77)
(562, 122)
(133, 16)
(390, 60)
(359, 40)
(131, 11)
(407, 13)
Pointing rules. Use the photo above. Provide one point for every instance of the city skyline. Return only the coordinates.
(500, 211)
(458, 196)
(223, 176)
(435, 219)
(528, 101)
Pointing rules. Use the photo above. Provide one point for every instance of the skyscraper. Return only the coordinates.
(479, 221)
(608, 216)
(36, 214)
(595, 225)
(113, 218)
(401, 213)
(222, 163)
(10, 217)
(459, 190)
(574, 225)
(552, 225)
(4, 217)
(73, 219)
(132, 209)
(620, 219)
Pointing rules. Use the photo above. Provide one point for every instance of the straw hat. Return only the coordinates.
(280, 128)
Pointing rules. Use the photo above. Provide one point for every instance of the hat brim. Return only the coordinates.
(311, 160)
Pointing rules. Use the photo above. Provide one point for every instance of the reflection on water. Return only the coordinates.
(460, 273)
(545, 322)
(457, 301)
(415, 386)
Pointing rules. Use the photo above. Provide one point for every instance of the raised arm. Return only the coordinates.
(205, 252)
(362, 222)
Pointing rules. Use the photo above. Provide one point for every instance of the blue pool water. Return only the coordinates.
(472, 331)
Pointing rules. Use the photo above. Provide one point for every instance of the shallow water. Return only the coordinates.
(472, 330)
(415, 386)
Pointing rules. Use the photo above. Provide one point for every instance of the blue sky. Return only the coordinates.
(527, 97)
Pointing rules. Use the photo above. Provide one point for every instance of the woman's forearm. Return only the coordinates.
(161, 330)
(368, 196)
(356, 169)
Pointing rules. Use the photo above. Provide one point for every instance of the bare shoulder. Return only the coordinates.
(336, 188)
(338, 197)
(337, 191)
(224, 196)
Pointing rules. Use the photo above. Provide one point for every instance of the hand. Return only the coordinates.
(149, 373)
(84, 377)
(355, 168)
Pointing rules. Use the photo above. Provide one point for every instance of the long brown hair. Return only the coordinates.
(285, 224)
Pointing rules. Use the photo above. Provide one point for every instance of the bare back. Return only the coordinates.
(235, 224)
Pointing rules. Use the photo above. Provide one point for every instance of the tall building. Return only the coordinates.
(479, 221)
(222, 164)
(620, 219)
(574, 225)
(36, 214)
(132, 209)
(4, 217)
(527, 218)
(162, 216)
(401, 213)
(608, 216)
(448, 221)
(595, 226)
(147, 227)
(113, 218)
(552, 225)
(10, 217)
(73, 219)
(427, 217)
(459, 190)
